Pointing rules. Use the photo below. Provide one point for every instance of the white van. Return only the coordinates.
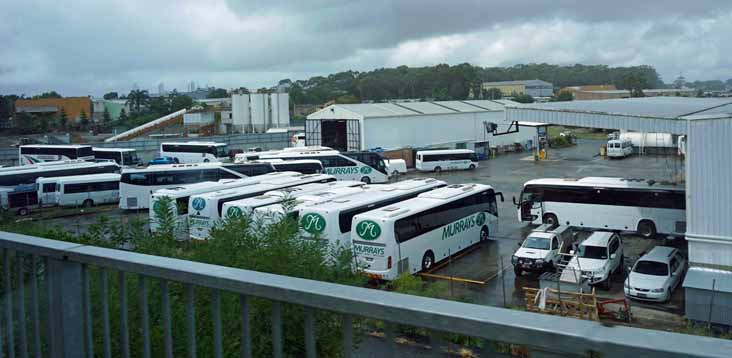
(449, 159)
(617, 148)
(79, 190)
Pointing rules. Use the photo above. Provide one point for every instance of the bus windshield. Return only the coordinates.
(129, 158)
(221, 151)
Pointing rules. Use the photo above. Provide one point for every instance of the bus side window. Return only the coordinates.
(49, 187)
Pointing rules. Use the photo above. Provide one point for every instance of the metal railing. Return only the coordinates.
(47, 310)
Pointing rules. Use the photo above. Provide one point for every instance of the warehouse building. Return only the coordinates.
(707, 123)
(533, 88)
(443, 124)
(72, 106)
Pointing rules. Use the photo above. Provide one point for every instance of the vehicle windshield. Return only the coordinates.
(654, 268)
(593, 252)
(222, 151)
(129, 158)
(539, 243)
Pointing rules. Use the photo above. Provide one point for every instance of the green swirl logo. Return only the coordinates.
(480, 219)
(313, 223)
(368, 230)
(233, 212)
(366, 170)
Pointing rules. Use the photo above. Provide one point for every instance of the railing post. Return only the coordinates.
(66, 311)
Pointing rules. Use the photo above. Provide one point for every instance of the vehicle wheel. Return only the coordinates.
(647, 229)
(484, 233)
(428, 261)
(23, 211)
(88, 203)
(438, 169)
(395, 173)
(517, 271)
(550, 219)
(471, 167)
(206, 160)
(366, 180)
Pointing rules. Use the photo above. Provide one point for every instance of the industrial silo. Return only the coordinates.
(273, 111)
(240, 113)
(283, 112)
(259, 104)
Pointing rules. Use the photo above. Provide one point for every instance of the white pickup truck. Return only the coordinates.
(541, 250)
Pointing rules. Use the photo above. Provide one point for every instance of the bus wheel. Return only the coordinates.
(550, 219)
(206, 160)
(438, 169)
(366, 180)
(471, 167)
(88, 203)
(484, 233)
(647, 229)
(428, 261)
(395, 173)
(23, 211)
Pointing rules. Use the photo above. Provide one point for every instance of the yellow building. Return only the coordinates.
(73, 106)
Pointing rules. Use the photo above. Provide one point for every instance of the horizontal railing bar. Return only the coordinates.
(547, 332)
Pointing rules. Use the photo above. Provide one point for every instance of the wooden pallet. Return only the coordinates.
(571, 304)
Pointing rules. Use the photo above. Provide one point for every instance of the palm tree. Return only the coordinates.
(137, 99)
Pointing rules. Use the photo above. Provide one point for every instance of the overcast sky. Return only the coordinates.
(81, 47)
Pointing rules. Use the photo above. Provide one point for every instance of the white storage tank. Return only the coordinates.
(283, 113)
(240, 116)
(273, 111)
(649, 140)
(259, 104)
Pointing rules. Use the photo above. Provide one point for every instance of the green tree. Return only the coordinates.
(492, 93)
(63, 119)
(523, 98)
(563, 96)
(178, 102)
(123, 118)
(51, 94)
(106, 117)
(137, 99)
(83, 119)
(217, 93)
(111, 95)
(346, 99)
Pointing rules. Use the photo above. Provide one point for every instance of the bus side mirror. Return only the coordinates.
(514, 201)
(501, 195)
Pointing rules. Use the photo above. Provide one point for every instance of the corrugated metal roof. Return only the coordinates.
(426, 107)
(703, 278)
(519, 82)
(649, 114)
(376, 110)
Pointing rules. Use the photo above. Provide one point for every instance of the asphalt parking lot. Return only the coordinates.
(475, 275)
(506, 174)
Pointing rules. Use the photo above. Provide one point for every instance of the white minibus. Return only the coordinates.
(331, 220)
(28, 174)
(79, 190)
(617, 148)
(413, 235)
(195, 152)
(447, 159)
(645, 206)
(204, 210)
(37, 153)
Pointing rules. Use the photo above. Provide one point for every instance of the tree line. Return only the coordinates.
(445, 82)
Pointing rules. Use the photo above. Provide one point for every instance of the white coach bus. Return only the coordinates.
(137, 185)
(448, 159)
(367, 167)
(195, 152)
(180, 195)
(331, 220)
(205, 210)
(79, 190)
(126, 157)
(645, 206)
(38, 153)
(247, 206)
(413, 235)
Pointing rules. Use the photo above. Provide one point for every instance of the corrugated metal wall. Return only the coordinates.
(596, 120)
(699, 302)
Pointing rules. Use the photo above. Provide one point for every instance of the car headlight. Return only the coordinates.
(657, 290)
(514, 259)
(539, 262)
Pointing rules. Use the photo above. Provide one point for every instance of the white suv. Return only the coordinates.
(598, 257)
(655, 275)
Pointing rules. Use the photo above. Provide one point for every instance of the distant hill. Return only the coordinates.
(445, 82)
